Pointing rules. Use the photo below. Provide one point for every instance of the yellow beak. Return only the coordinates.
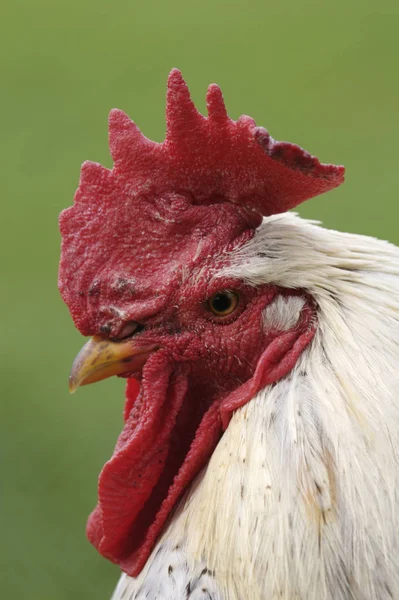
(101, 358)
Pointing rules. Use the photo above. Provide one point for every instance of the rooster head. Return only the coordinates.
(144, 270)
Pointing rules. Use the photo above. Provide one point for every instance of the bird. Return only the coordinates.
(259, 456)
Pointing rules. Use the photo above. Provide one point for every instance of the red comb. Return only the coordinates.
(229, 173)
(215, 158)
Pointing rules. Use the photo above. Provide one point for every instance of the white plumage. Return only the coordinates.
(300, 498)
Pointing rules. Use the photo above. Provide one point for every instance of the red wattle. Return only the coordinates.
(204, 443)
(128, 478)
(132, 392)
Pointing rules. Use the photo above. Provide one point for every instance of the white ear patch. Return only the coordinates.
(283, 313)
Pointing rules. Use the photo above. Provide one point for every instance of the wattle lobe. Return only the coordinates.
(166, 440)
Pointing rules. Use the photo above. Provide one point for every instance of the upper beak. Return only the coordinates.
(101, 358)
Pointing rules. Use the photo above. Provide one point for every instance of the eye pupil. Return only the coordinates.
(223, 303)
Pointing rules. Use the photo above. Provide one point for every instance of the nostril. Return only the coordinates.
(128, 329)
(105, 329)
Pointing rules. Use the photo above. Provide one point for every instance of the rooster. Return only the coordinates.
(259, 455)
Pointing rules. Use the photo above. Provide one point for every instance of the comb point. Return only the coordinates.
(91, 172)
(215, 104)
(124, 136)
(181, 113)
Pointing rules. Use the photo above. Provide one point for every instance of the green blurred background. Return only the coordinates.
(326, 78)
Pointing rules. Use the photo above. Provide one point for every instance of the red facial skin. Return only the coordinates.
(144, 242)
(206, 367)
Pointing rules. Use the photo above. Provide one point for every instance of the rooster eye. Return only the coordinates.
(223, 303)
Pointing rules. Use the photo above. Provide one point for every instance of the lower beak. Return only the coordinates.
(100, 359)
